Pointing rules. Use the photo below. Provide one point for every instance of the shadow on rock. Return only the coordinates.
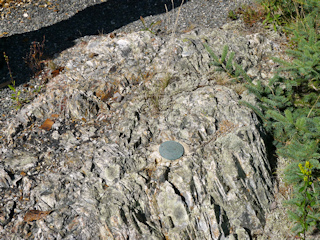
(100, 18)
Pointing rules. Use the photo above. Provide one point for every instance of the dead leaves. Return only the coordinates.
(48, 123)
(34, 215)
(105, 95)
(110, 94)
(56, 72)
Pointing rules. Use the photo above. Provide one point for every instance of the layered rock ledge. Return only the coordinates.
(81, 161)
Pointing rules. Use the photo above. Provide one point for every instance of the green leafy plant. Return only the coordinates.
(289, 108)
(15, 95)
(150, 27)
(38, 89)
(223, 64)
(278, 12)
(232, 15)
(226, 64)
(286, 12)
(306, 214)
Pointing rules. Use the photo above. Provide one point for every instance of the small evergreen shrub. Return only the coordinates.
(289, 107)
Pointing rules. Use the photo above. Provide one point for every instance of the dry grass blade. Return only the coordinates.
(171, 42)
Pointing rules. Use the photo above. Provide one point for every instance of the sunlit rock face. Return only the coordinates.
(94, 170)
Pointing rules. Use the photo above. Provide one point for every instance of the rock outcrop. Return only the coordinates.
(81, 161)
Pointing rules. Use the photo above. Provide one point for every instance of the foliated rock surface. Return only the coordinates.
(93, 170)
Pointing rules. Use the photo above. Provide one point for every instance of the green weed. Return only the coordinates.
(306, 215)
(150, 27)
(232, 15)
(15, 95)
